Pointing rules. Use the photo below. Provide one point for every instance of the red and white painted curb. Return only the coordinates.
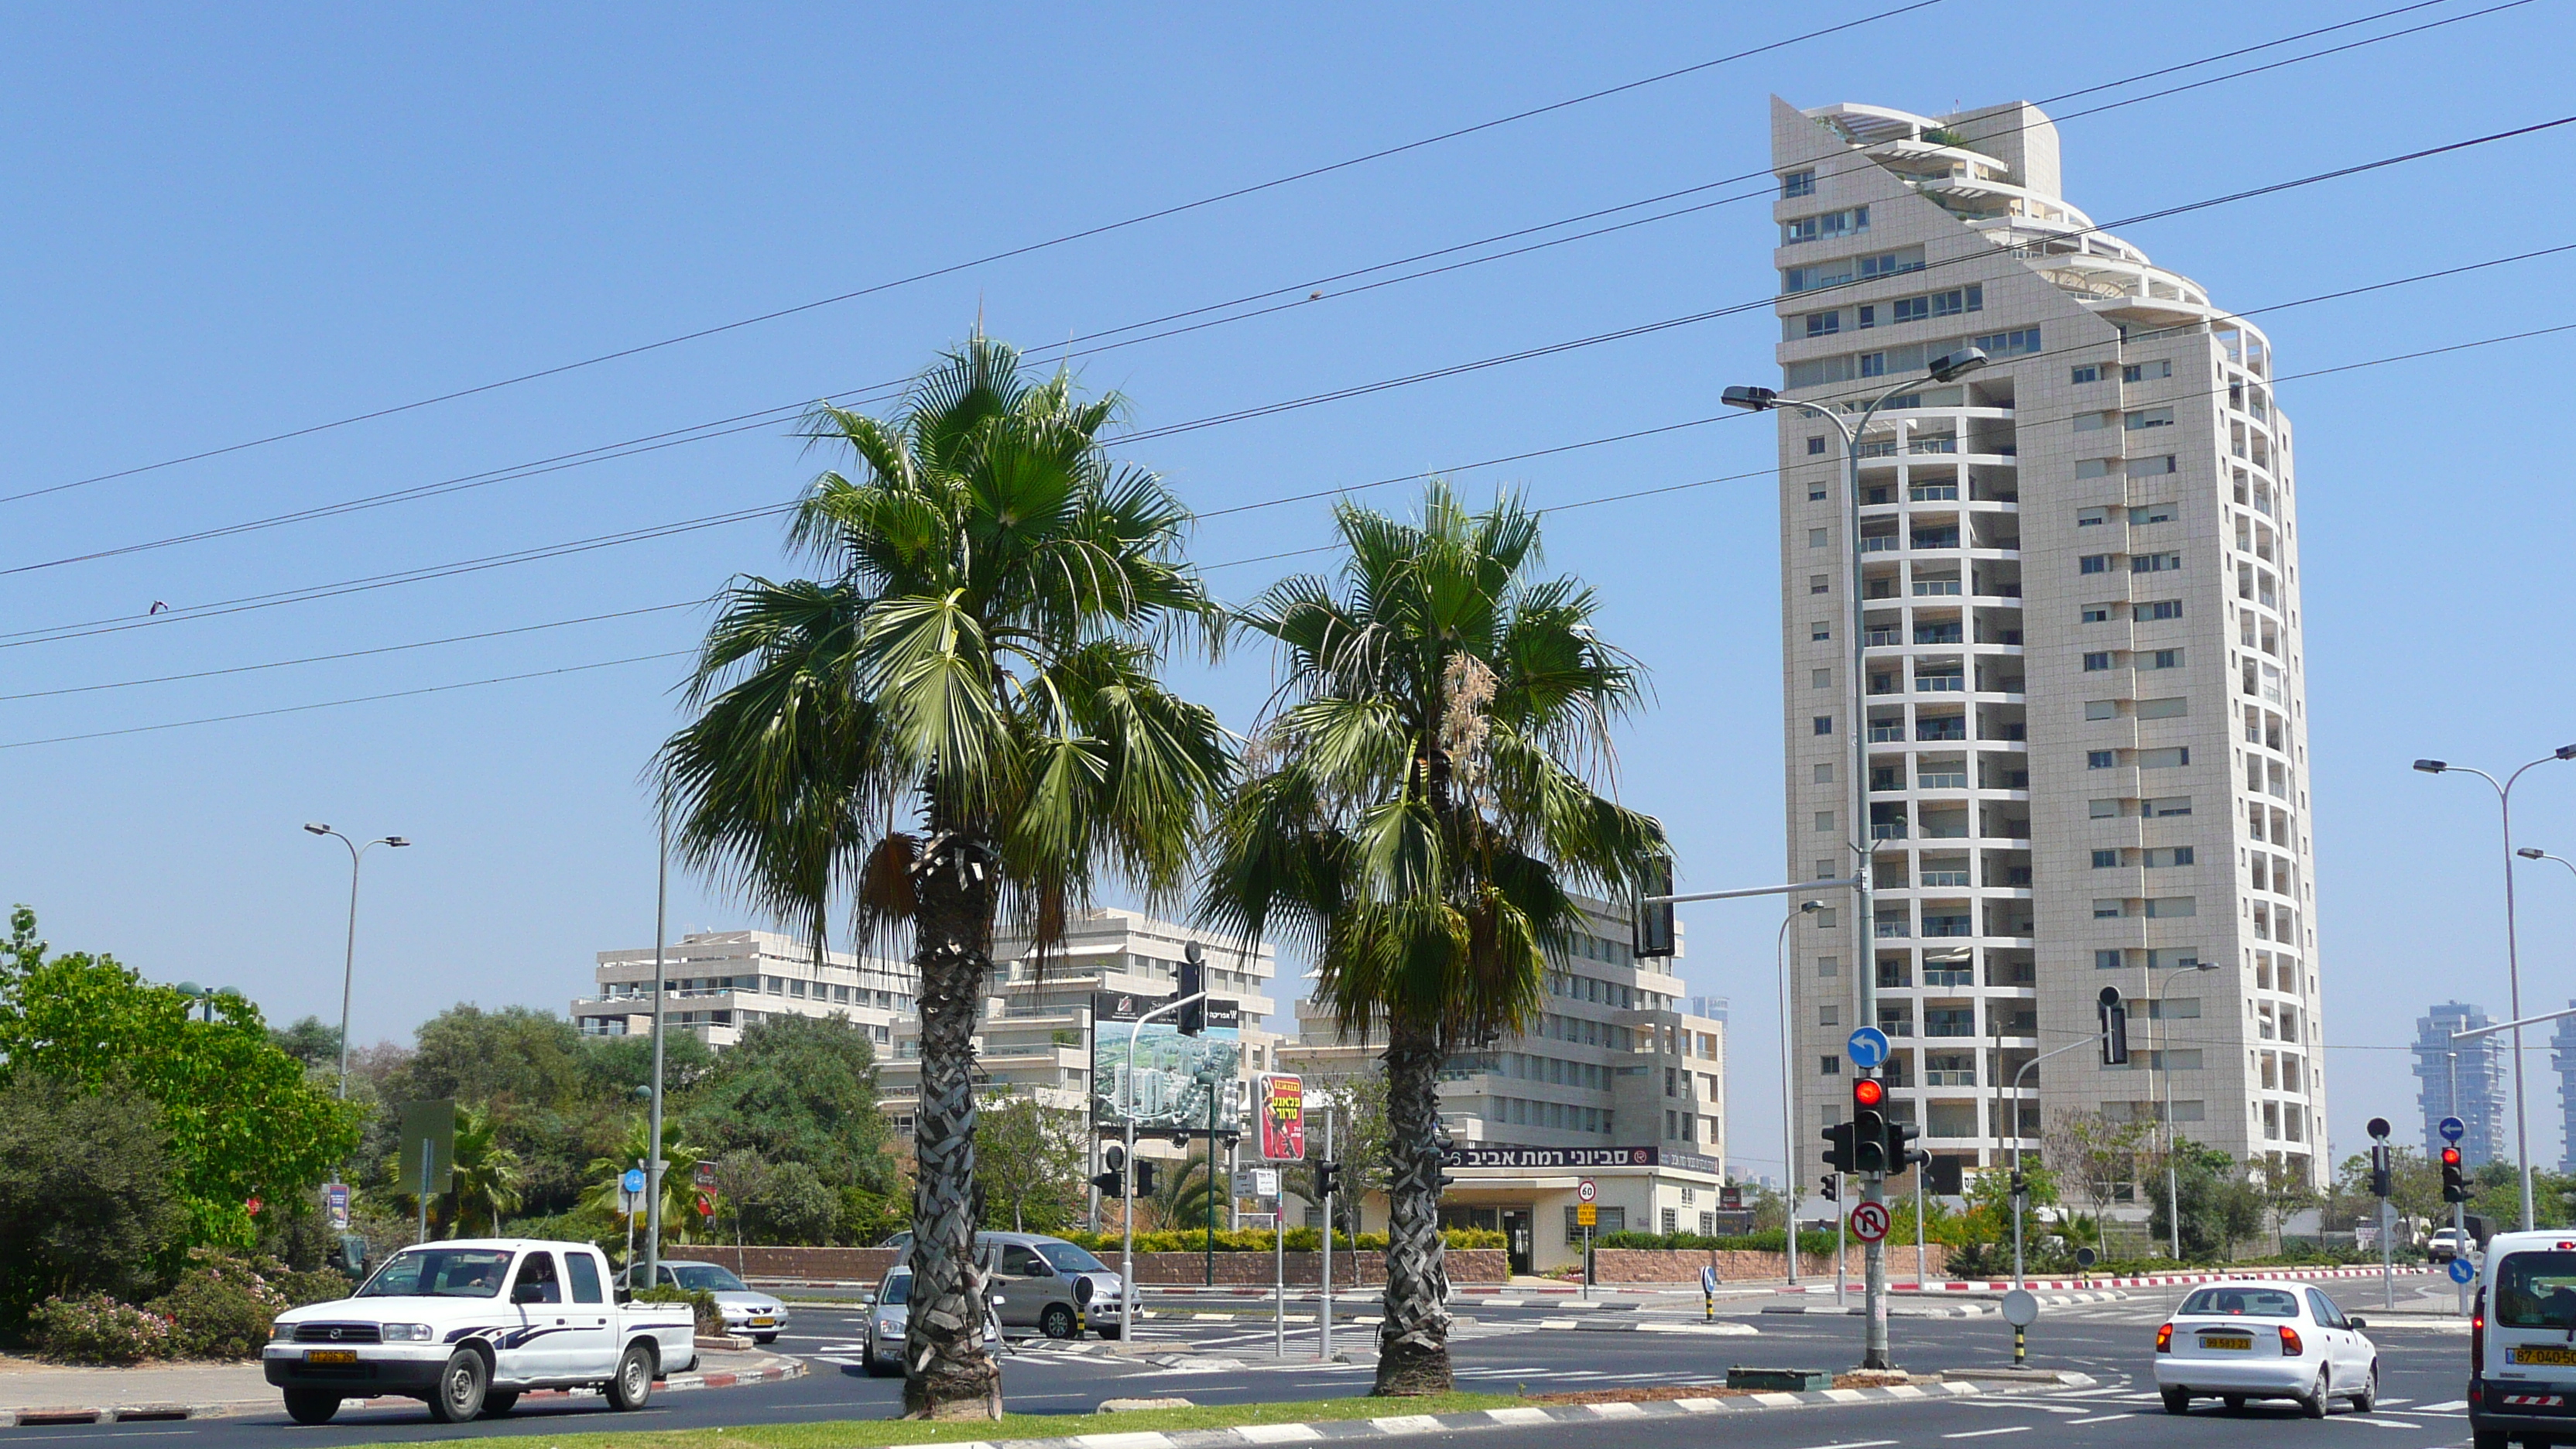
(2141, 1280)
(156, 1413)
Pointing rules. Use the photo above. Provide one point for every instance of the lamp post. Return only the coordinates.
(2173, 1191)
(2512, 950)
(2014, 1106)
(349, 958)
(205, 997)
(654, 1165)
(1864, 924)
(1789, 1090)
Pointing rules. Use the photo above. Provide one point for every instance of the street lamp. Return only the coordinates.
(2512, 950)
(2173, 1192)
(349, 961)
(204, 997)
(1789, 1088)
(1864, 922)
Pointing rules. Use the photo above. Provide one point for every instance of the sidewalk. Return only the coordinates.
(34, 1393)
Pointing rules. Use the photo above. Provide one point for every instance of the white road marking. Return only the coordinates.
(1983, 1433)
(2447, 1406)
(2102, 1419)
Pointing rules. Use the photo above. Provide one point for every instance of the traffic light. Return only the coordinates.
(1902, 1155)
(1194, 983)
(2455, 1185)
(1829, 1188)
(1650, 926)
(2381, 1178)
(1442, 1145)
(1328, 1177)
(2115, 1028)
(1838, 1147)
(2020, 1183)
(1113, 1182)
(1144, 1178)
(1868, 1147)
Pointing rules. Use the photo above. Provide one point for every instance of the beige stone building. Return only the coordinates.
(2085, 695)
(715, 983)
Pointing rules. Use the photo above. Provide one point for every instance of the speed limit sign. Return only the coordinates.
(1584, 1191)
(1869, 1221)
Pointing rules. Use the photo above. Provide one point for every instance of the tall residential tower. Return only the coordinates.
(2461, 1079)
(2085, 698)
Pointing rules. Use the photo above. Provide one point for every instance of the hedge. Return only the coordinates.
(1262, 1240)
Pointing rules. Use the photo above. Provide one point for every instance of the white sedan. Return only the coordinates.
(2258, 1340)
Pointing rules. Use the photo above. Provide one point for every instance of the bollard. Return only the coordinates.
(2021, 1346)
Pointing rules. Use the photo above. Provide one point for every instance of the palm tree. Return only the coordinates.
(488, 1175)
(678, 1176)
(1421, 800)
(961, 721)
(1184, 1193)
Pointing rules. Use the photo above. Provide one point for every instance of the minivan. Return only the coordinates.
(2522, 1341)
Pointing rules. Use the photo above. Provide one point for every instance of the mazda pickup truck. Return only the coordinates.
(468, 1325)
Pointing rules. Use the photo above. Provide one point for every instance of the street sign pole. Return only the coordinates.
(1585, 1196)
(2380, 1183)
(1324, 1308)
(2452, 1130)
(1868, 1048)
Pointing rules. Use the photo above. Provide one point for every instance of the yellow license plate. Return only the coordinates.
(330, 1355)
(2227, 1343)
(2562, 1356)
(766, 1322)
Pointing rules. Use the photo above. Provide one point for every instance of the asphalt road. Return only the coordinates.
(1226, 1359)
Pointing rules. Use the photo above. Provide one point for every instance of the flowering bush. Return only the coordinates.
(97, 1329)
(222, 1305)
(315, 1285)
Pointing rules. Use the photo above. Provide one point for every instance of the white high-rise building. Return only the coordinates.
(2085, 697)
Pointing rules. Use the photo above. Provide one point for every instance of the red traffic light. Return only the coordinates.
(2450, 1157)
(1868, 1091)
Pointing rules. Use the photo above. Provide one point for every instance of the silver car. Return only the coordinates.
(1045, 1283)
(889, 1311)
(747, 1310)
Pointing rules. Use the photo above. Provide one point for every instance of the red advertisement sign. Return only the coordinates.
(1283, 1117)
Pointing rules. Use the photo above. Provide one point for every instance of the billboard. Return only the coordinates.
(1282, 1099)
(1159, 1082)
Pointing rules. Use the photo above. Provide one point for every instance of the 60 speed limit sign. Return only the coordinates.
(1869, 1221)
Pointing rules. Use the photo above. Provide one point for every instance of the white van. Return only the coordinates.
(2522, 1342)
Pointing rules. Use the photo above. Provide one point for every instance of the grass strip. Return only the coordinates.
(872, 1433)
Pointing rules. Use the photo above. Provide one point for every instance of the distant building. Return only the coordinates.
(2562, 1056)
(2479, 1073)
(715, 983)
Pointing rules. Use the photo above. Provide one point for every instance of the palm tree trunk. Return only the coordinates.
(947, 1372)
(1413, 1342)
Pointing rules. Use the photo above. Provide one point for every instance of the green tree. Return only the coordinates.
(488, 1174)
(518, 1056)
(311, 1041)
(242, 1121)
(798, 1089)
(1029, 1160)
(679, 1202)
(981, 659)
(1185, 1192)
(1356, 1103)
(2220, 1206)
(85, 1198)
(1423, 798)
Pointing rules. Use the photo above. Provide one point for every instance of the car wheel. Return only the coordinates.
(497, 1402)
(2486, 1439)
(458, 1395)
(764, 1338)
(2233, 1402)
(634, 1382)
(2368, 1399)
(1058, 1321)
(881, 1368)
(1111, 1331)
(2177, 1401)
(2313, 1402)
(311, 1406)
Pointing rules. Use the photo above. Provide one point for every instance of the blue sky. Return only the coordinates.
(226, 225)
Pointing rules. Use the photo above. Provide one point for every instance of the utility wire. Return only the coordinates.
(51, 633)
(1018, 251)
(1073, 347)
(1568, 507)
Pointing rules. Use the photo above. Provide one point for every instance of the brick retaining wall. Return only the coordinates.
(1682, 1265)
(867, 1265)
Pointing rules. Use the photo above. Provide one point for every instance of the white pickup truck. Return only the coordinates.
(471, 1324)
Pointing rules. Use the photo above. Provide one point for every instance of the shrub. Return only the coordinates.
(710, 1317)
(1259, 1240)
(318, 1285)
(1771, 1240)
(97, 1329)
(222, 1306)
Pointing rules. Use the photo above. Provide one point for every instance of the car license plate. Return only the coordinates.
(330, 1355)
(763, 1321)
(2237, 1343)
(2560, 1356)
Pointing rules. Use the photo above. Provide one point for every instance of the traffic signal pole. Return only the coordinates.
(1128, 1322)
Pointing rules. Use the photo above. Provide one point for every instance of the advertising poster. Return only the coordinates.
(1159, 1081)
(1283, 1116)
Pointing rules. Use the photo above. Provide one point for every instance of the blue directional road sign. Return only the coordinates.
(633, 1182)
(2452, 1130)
(1868, 1047)
(2462, 1270)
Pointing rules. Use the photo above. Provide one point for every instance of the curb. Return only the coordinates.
(1951, 1310)
(1333, 1430)
(2143, 1280)
(79, 1414)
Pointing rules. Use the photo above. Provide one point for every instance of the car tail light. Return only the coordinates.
(2290, 1345)
(2164, 1339)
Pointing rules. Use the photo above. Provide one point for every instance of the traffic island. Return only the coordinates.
(1255, 1426)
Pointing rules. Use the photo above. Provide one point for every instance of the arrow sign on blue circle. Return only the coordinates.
(2452, 1130)
(1868, 1047)
(2462, 1270)
(633, 1182)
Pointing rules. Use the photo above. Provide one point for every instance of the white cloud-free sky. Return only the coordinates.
(224, 225)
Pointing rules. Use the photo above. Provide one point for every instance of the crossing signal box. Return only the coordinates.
(2115, 1027)
(2381, 1177)
(1144, 1178)
(1902, 1154)
(1650, 926)
(1838, 1148)
(2455, 1184)
(1194, 983)
(1113, 1182)
(1328, 1177)
(1830, 1188)
(1869, 1125)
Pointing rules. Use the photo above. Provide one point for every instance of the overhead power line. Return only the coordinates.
(1302, 294)
(85, 629)
(1006, 254)
(1567, 507)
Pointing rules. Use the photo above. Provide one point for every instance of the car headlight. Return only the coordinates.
(406, 1333)
(281, 1333)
